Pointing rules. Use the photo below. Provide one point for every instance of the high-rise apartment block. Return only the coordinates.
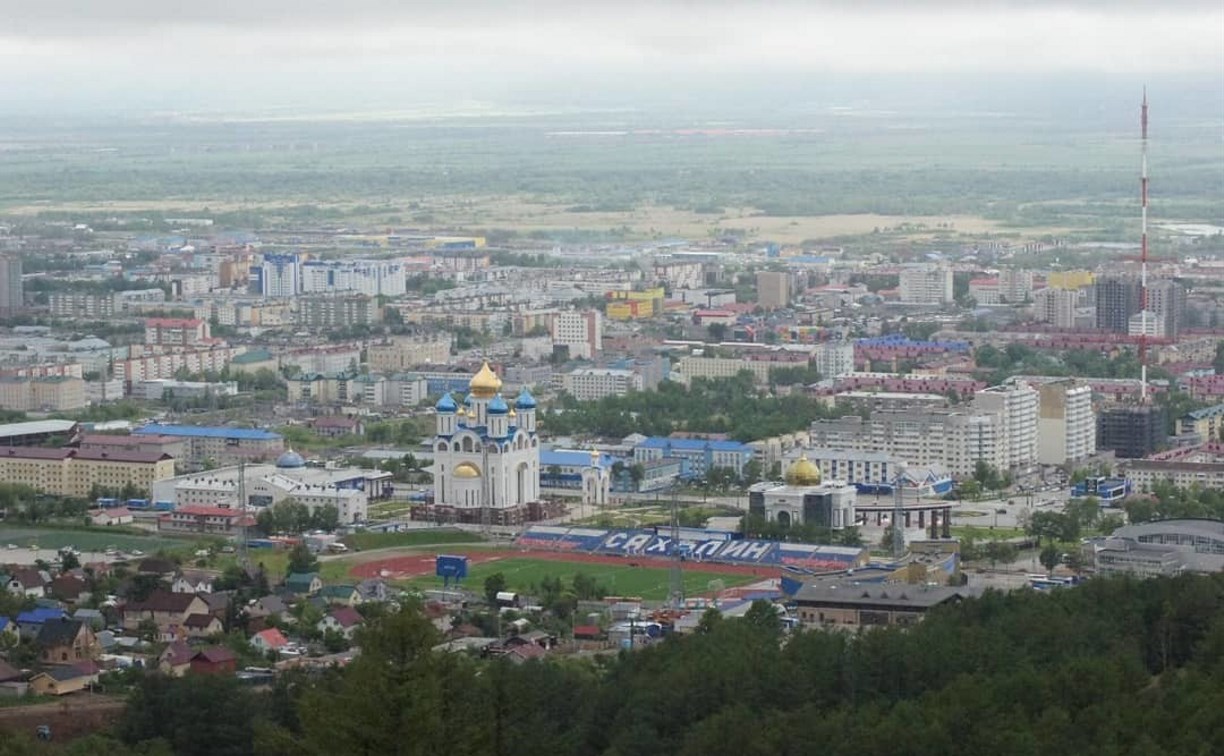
(12, 292)
(1066, 422)
(1056, 306)
(581, 331)
(279, 276)
(834, 359)
(1117, 299)
(1132, 431)
(926, 284)
(773, 289)
(954, 439)
(1017, 406)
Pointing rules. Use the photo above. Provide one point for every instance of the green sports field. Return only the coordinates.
(621, 580)
(97, 539)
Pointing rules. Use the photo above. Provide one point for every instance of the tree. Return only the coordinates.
(1000, 551)
(1049, 556)
(717, 332)
(69, 561)
(171, 708)
(493, 585)
(302, 559)
(763, 616)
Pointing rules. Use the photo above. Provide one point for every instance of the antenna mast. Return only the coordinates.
(1143, 253)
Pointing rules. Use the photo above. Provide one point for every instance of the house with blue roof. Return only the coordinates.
(562, 468)
(698, 454)
(30, 623)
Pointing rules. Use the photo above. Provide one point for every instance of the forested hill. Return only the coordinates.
(1112, 667)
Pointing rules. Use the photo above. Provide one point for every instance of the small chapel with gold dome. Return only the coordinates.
(486, 453)
(804, 498)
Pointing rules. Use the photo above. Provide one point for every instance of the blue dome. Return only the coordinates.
(290, 459)
(446, 404)
(525, 400)
(498, 406)
(467, 401)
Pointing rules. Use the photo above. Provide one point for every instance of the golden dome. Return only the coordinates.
(467, 471)
(485, 384)
(803, 473)
(462, 412)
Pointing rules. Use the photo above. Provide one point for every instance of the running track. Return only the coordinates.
(418, 565)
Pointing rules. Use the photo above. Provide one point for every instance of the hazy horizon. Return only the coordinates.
(71, 56)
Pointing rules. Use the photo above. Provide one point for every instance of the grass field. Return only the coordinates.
(649, 583)
(86, 540)
(986, 533)
(424, 537)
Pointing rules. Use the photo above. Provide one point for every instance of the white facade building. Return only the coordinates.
(593, 384)
(834, 359)
(486, 454)
(926, 284)
(373, 278)
(952, 439)
(581, 331)
(280, 276)
(1017, 404)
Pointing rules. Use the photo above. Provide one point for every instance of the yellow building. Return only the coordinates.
(1070, 279)
(74, 472)
(635, 305)
(53, 393)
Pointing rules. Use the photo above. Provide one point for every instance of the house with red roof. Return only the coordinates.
(271, 639)
(344, 620)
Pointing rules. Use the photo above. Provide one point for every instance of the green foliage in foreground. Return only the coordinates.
(1112, 667)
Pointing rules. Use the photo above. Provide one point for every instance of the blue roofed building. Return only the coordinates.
(220, 445)
(698, 454)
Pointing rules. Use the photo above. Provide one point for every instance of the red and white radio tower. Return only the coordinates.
(1143, 256)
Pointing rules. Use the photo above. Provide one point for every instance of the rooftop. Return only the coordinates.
(207, 431)
(36, 427)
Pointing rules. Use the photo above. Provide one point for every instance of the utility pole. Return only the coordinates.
(898, 534)
(676, 578)
(243, 557)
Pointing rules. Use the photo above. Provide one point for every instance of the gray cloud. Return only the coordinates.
(483, 45)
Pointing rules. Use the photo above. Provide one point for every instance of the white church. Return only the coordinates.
(486, 454)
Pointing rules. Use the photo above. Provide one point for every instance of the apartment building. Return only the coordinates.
(593, 384)
(1117, 299)
(1066, 422)
(580, 331)
(74, 472)
(54, 393)
(1056, 307)
(773, 289)
(953, 439)
(278, 276)
(1017, 405)
(833, 359)
(12, 289)
(176, 332)
(220, 445)
(926, 284)
(75, 304)
(403, 353)
(319, 312)
(147, 367)
(1206, 423)
(372, 278)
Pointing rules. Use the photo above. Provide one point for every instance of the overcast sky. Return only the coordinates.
(476, 48)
